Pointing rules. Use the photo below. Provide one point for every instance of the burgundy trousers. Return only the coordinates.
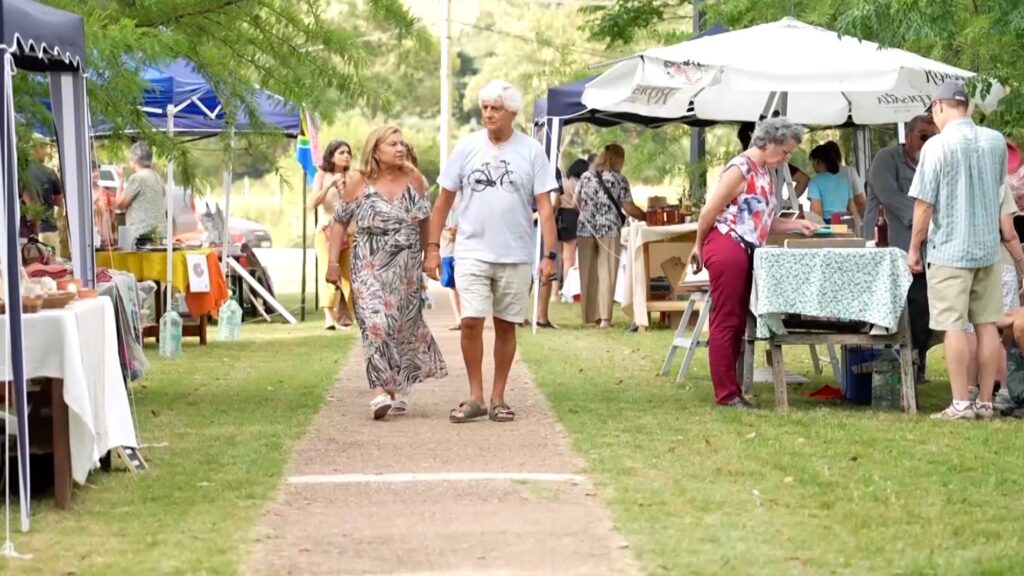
(730, 271)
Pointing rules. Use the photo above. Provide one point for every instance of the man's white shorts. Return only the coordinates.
(486, 288)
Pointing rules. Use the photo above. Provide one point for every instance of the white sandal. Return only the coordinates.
(399, 408)
(380, 406)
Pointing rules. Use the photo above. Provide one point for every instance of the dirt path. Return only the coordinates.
(328, 518)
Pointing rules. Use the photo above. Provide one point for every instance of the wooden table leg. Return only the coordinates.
(158, 308)
(779, 376)
(908, 377)
(61, 445)
(747, 369)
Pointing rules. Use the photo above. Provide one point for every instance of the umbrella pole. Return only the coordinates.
(302, 299)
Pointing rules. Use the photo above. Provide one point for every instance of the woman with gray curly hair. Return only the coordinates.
(737, 217)
(142, 196)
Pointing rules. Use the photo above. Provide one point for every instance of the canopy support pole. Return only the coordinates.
(261, 291)
(169, 287)
(229, 177)
(305, 249)
(14, 350)
(554, 139)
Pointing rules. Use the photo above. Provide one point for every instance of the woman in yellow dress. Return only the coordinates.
(328, 186)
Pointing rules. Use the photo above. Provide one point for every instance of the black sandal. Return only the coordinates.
(468, 410)
(502, 413)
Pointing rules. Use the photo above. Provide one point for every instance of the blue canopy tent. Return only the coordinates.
(197, 110)
(181, 102)
(39, 38)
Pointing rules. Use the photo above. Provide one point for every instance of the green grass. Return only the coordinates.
(824, 489)
(229, 413)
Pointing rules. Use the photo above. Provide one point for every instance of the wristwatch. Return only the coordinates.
(552, 255)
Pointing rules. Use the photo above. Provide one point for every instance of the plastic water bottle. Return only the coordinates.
(170, 332)
(229, 321)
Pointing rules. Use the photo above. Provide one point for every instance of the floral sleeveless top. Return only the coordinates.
(750, 214)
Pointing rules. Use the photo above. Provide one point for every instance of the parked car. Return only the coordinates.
(253, 233)
(189, 222)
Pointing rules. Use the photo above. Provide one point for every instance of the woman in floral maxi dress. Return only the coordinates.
(388, 203)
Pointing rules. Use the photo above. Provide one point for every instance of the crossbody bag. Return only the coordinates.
(611, 197)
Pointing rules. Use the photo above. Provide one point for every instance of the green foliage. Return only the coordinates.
(626, 21)
(983, 37)
(307, 51)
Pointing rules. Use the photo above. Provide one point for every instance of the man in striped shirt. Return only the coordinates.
(958, 191)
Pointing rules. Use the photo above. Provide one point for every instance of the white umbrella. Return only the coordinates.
(826, 78)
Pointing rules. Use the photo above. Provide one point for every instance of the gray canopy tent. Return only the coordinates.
(37, 38)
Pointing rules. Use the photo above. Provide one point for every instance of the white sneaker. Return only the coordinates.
(983, 412)
(951, 413)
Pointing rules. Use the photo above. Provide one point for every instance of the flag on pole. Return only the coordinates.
(307, 147)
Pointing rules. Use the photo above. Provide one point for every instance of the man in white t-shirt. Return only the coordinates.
(498, 171)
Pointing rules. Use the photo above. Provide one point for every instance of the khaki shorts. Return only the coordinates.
(958, 297)
(486, 289)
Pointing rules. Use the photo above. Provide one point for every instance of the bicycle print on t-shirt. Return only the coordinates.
(489, 176)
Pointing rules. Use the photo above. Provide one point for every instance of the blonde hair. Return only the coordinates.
(610, 154)
(370, 166)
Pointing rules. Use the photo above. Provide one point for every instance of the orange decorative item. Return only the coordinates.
(63, 283)
(86, 293)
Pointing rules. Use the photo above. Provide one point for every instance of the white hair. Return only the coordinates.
(499, 91)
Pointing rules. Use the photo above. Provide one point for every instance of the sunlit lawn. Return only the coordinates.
(223, 419)
(824, 489)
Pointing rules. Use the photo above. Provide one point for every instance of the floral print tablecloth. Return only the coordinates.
(858, 284)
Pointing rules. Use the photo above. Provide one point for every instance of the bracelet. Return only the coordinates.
(435, 244)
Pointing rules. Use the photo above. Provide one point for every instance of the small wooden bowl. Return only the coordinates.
(84, 293)
(31, 305)
(58, 300)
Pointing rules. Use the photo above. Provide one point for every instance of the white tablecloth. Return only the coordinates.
(78, 344)
(637, 277)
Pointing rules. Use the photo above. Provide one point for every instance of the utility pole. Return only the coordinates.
(698, 149)
(446, 98)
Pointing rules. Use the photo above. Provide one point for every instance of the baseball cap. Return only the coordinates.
(1012, 157)
(949, 90)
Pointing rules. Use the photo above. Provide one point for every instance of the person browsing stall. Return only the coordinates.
(888, 187)
(829, 192)
(737, 218)
(959, 201)
(603, 194)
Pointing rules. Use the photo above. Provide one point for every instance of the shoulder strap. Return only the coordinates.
(611, 197)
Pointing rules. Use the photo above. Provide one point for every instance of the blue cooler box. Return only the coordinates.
(857, 362)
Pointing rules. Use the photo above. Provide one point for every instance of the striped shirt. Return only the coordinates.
(960, 173)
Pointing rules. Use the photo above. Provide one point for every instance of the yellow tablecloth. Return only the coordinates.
(153, 266)
(150, 265)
